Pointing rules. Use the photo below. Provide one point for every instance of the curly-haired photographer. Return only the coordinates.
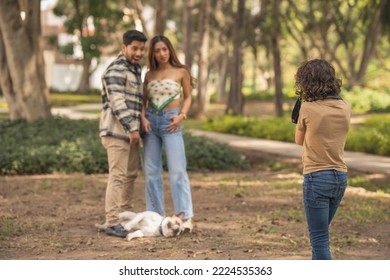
(322, 128)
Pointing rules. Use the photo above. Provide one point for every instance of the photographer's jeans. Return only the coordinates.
(322, 194)
(177, 165)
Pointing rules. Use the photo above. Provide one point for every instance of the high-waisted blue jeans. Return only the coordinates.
(322, 194)
(173, 144)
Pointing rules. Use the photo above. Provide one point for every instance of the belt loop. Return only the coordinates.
(336, 174)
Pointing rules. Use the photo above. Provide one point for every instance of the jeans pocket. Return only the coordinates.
(315, 196)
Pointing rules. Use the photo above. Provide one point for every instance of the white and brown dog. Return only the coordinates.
(149, 224)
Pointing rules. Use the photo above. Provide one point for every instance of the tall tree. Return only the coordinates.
(235, 104)
(346, 33)
(222, 21)
(22, 73)
(202, 97)
(275, 39)
(160, 17)
(139, 7)
(187, 31)
(94, 24)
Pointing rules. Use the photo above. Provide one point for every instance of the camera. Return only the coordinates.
(295, 111)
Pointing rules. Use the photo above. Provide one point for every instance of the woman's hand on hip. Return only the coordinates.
(175, 125)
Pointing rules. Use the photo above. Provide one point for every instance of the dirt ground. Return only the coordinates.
(256, 214)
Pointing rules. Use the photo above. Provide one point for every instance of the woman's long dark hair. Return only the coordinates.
(173, 60)
(316, 79)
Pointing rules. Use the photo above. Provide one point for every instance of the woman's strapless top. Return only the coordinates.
(161, 92)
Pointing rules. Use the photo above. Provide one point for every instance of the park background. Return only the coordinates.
(244, 55)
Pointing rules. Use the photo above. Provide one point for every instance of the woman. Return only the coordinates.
(322, 129)
(162, 115)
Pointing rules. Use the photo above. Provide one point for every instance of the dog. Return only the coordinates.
(151, 224)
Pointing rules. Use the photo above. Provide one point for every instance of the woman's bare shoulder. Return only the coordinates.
(183, 72)
(149, 75)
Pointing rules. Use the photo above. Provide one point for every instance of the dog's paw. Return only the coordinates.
(126, 226)
(188, 226)
(135, 234)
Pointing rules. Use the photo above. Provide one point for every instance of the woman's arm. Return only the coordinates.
(299, 136)
(187, 98)
(144, 120)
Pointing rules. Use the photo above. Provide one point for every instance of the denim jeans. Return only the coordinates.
(322, 194)
(173, 144)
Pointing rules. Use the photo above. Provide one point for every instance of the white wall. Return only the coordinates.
(66, 77)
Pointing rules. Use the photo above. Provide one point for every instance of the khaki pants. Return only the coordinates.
(123, 164)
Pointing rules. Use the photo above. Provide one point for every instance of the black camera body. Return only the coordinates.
(295, 111)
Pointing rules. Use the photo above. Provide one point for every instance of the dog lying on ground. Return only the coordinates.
(149, 224)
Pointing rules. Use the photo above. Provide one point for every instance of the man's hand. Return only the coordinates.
(146, 124)
(135, 138)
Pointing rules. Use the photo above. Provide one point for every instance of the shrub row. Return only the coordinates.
(64, 145)
(265, 128)
(368, 100)
(371, 137)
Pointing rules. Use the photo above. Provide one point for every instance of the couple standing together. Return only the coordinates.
(154, 107)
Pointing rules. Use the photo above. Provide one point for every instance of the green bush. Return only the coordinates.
(64, 145)
(372, 137)
(46, 146)
(368, 100)
(270, 128)
(205, 154)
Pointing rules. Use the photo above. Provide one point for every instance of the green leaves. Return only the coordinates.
(68, 146)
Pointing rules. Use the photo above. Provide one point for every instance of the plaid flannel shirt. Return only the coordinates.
(122, 99)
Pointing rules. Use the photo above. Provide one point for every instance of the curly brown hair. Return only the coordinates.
(316, 79)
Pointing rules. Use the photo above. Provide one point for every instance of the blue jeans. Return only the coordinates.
(322, 194)
(173, 144)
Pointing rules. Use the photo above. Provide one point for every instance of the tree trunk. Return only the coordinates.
(221, 75)
(235, 104)
(161, 17)
(22, 75)
(371, 41)
(254, 70)
(139, 7)
(187, 32)
(203, 98)
(84, 85)
(276, 58)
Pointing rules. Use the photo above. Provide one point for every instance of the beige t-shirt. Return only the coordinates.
(325, 124)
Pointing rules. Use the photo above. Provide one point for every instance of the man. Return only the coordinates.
(120, 127)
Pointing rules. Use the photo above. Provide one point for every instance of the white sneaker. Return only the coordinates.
(188, 226)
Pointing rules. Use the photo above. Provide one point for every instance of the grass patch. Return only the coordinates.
(65, 100)
(4, 116)
(370, 184)
(277, 166)
(93, 112)
(357, 211)
(6, 227)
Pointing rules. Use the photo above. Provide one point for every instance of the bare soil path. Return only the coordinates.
(256, 214)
